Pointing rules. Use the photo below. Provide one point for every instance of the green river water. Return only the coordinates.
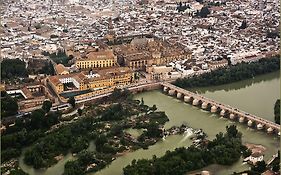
(256, 96)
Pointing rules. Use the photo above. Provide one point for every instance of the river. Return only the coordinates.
(255, 96)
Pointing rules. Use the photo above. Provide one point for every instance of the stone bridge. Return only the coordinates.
(223, 109)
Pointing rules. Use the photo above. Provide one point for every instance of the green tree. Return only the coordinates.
(232, 131)
(204, 12)
(154, 108)
(73, 168)
(72, 101)
(260, 167)
(142, 102)
(79, 112)
(18, 172)
(11, 68)
(47, 106)
(243, 25)
(37, 119)
(52, 118)
(277, 111)
(9, 106)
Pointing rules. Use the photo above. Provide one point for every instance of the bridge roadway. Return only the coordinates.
(182, 93)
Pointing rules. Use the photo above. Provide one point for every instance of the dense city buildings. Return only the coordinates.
(70, 69)
(145, 52)
(62, 42)
(103, 78)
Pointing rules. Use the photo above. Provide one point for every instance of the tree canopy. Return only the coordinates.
(9, 106)
(47, 105)
(204, 12)
(225, 149)
(277, 111)
(11, 68)
(72, 101)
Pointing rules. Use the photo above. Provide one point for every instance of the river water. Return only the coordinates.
(255, 96)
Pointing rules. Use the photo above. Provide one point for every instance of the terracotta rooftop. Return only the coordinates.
(100, 55)
(60, 68)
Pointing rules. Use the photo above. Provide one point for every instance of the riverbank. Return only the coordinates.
(231, 74)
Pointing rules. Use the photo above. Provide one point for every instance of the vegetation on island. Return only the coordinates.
(277, 111)
(231, 74)
(26, 131)
(12, 68)
(225, 149)
(49, 138)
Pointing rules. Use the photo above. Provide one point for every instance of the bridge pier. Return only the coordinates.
(241, 119)
(232, 116)
(214, 109)
(171, 92)
(204, 105)
(179, 95)
(250, 123)
(269, 130)
(195, 102)
(222, 112)
(260, 126)
(165, 89)
(186, 99)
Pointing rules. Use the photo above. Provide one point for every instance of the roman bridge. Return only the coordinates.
(223, 110)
